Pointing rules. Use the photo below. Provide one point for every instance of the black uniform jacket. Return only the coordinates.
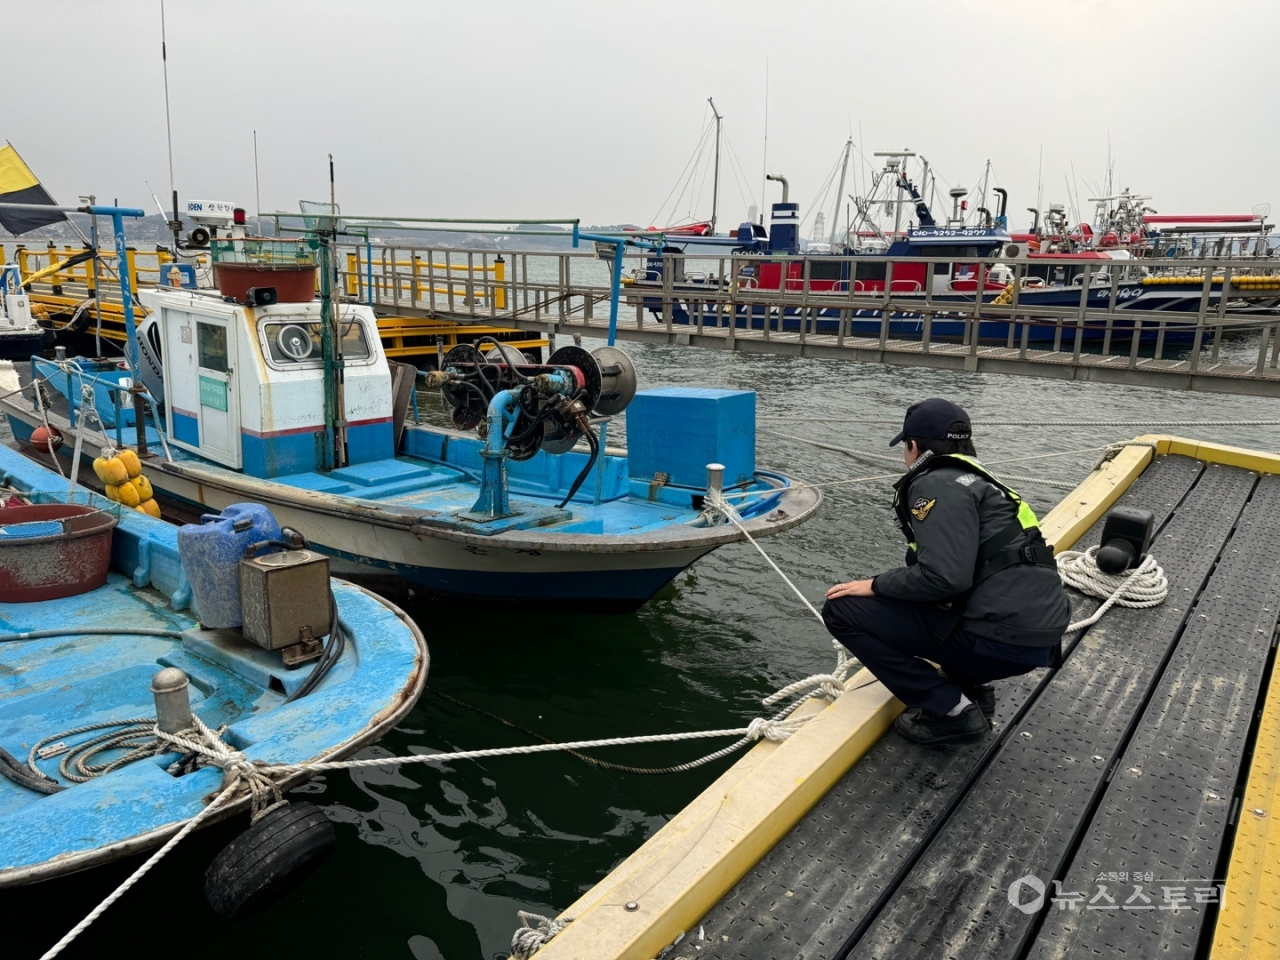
(954, 511)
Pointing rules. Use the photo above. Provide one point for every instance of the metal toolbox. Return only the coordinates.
(284, 600)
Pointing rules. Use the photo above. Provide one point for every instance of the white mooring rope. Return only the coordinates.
(1143, 586)
(261, 779)
(530, 938)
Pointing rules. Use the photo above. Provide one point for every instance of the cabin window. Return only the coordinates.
(212, 341)
(824, 269)
(298, 341)
(953, 251)
(869, 269)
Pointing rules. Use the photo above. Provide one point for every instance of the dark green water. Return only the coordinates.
(434, 862)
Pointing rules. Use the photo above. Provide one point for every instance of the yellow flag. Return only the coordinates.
(19, 185)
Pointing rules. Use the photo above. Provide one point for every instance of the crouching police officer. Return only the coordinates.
(980, 594)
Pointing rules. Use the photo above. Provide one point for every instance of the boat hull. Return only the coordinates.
(586, 587)
(21, 346)
(372, 543)
(1152, 310)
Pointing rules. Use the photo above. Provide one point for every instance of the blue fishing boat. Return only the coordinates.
(262, 394)
(83, 676)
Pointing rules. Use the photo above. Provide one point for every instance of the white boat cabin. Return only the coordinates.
(243, 386)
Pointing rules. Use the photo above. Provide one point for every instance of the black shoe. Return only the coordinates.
(929, 729)
(985, 697)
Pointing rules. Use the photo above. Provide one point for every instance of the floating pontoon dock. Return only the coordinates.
(1124, 806)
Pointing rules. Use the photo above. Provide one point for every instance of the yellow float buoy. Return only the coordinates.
(111, 471)
(131, 462)
(127, 494)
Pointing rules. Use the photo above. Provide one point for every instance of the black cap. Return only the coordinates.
(935, 419)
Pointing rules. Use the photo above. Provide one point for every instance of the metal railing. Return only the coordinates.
(416, 281)
(1184, 323)
(145, 266)
(1218, 327)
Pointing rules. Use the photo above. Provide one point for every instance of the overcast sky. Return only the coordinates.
(534, 110)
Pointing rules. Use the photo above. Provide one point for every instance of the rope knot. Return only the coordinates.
(530, 937)
(1113, 450)
(773, 728)
(208, 747)
(716, 510)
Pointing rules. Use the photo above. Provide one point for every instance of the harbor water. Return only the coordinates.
(434, 861)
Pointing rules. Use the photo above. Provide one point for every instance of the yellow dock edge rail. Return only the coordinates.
(1248, 926)
(688, 866)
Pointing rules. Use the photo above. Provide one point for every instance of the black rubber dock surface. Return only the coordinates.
(1109, 786)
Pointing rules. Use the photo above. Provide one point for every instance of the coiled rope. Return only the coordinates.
(530, 938)
(1143, 586)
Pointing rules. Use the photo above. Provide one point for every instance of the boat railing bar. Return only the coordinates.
(385, 221)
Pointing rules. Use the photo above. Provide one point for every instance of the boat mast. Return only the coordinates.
(331, 337)
(175, 225)
(835, 214)
(715, 184)
(764, 159)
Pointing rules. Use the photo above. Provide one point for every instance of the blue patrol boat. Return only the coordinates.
(80, 781)
(279, 398)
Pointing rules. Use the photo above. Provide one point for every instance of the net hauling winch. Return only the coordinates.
(519, 408)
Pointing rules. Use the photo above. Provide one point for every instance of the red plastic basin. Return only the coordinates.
(60, 563)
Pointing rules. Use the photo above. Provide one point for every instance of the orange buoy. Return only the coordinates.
(46, 438)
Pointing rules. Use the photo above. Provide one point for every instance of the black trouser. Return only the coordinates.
(893, 638)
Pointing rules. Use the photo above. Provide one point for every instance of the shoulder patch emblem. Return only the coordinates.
(920, 509)
(966, 479)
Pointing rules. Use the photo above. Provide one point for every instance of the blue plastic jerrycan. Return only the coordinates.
(211, 552)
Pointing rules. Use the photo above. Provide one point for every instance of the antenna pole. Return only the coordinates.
(1040, 184)
(168, 124)
(764, 162)
(986, 176)
(835, 214)
(715, 184)
(330, 340)
(175, 224)
(257, 189)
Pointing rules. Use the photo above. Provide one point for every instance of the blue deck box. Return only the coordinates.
(679, 430)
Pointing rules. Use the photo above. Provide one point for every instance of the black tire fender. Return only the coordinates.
(269, 859)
